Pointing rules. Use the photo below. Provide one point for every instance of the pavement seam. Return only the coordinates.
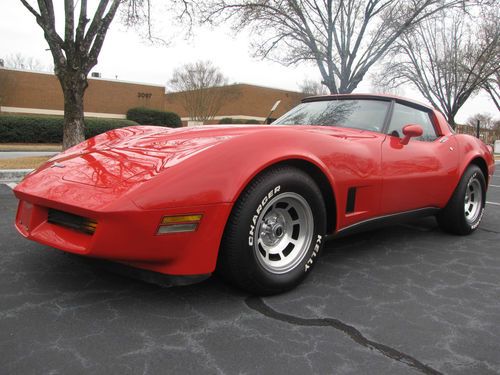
(257, 304)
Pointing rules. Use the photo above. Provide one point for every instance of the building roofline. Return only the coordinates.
(240, 84)
(89, 78)
(265, 87)
(27, 70)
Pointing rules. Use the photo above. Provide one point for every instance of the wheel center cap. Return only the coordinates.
(272, 231)
(278, 231)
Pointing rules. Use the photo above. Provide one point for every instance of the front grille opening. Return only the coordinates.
(78, 223)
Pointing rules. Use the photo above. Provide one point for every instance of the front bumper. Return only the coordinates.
(129, 236)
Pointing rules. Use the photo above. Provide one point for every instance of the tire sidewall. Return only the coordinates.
(290, 181)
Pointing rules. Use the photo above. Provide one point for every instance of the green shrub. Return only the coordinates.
(94, 126)
(49, 129)
(226, 120)
(253, 122)
(229, 120)
(146, 116)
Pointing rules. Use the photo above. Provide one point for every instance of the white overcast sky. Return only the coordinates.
(130, 58)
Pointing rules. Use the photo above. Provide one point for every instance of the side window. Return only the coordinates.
(404, 115)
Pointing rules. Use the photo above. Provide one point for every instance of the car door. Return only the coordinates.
(413, 173)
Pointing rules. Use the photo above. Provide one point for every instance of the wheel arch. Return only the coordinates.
(481, 163)
(319, 177)
(474, 152)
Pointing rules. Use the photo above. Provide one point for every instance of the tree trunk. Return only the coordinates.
(451, 120)
(330, 87)
(74, 126)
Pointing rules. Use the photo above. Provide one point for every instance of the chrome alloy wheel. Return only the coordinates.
(473, 200)
(283, 233)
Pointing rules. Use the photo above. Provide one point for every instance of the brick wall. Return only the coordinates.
(29, 90)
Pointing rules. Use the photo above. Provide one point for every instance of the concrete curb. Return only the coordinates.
(13, 175)
(29, 150)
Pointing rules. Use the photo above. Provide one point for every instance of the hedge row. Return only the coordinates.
(229, 120)
(146, 116)
(49, 129)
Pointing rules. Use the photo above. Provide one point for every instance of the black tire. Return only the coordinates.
(280, 197)
(461, 218)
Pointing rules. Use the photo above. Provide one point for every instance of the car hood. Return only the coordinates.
(129, 155)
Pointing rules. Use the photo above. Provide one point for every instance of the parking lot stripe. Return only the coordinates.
(494, 203)
(495, 185)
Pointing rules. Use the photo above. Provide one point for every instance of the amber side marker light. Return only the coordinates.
(179, 224)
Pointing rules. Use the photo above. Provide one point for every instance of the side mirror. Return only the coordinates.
(411, 131)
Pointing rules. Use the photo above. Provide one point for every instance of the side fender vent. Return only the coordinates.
(351, 200)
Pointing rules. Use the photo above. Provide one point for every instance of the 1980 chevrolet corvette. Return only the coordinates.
(255, 202)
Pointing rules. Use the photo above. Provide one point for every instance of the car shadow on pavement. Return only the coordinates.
(56, 274)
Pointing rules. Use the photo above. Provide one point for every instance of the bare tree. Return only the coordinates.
(447, 59)
(492, 84)
(380, 84)
(202, 88)
(344, 38)
(486, 121)
(492, 87)
(20, 61)
(489, 127)
(311, 87)
(76, 52)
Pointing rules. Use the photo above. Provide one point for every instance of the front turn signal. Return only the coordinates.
(179, 224)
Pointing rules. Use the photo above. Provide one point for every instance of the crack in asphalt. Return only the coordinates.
(488, 230)
(257, 304)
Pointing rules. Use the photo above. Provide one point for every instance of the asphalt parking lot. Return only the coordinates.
(401, 300)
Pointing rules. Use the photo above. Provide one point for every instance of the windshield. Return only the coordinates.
(358, 114)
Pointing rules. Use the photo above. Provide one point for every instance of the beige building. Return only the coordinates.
(26, 92)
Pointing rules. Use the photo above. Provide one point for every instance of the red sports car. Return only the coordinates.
(255, 203)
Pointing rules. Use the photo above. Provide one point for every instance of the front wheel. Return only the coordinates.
(275, 232)
(463, 213)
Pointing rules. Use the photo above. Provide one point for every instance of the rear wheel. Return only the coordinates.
(463, 213)
(275, 232)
